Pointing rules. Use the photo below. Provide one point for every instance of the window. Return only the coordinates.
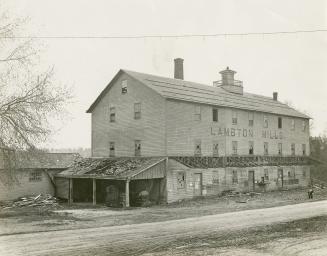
(137, 148)
(111, 148)
(197, 150)
(35, 176)
(137, 110)
(124, 86)
(215, 149)
(266, 177)
(251, 118)
(112, 114)
(215, 177)
(234, 147)
(280, 149)
(291, 173)
(234, 117)
(234, 177)
(181, 180)
(280, 123)
(292, 124)
(197, 113)
(251, 148)
(304, 125)
(293, 149)
(304, 173)
(304, 149)
(265, 148)
(265, 121)
(215, 115)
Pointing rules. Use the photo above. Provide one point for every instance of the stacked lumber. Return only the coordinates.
(33, 201)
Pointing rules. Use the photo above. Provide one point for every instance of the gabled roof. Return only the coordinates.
(115, 168)
(194, 92)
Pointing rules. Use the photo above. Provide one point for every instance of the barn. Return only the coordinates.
(214, 138)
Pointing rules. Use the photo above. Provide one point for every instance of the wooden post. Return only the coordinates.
(94, 192)
(70, 196)
(127, 193)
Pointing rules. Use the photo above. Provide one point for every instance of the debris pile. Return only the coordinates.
(40, 201)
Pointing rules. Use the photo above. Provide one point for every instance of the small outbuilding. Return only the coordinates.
(117, 182)
(24, 173)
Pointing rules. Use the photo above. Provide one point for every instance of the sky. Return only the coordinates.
(294, 65)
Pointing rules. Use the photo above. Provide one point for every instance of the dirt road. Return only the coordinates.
(143, 238)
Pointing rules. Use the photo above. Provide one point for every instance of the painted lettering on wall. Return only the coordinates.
(243, 132)
(272, 135)
(232, 132)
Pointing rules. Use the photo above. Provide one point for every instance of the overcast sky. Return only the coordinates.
(293, 65)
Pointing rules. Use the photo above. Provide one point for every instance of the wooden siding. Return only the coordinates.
(217, 180)
(16, 183)
(154, 172)
(62, 187)
(183, 131)
(149, 129)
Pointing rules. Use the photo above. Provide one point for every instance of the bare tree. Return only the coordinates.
(28, 97)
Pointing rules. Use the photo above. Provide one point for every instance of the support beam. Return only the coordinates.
(70, 194)
(94, 191)
(127, 193)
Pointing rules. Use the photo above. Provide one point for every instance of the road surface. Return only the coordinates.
(146, 237)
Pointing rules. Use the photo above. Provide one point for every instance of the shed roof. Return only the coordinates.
(115, 168)
(199, 93)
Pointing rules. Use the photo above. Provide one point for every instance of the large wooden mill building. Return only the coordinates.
(177, 139)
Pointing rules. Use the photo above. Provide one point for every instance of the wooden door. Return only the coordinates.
(251, 180)
(197, 177)
(280, 178)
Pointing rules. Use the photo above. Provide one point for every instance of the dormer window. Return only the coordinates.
(124, 86)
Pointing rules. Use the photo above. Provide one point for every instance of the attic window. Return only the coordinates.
(124, 86)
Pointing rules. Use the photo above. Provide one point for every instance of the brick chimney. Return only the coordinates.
(179, 71)
(275, 96)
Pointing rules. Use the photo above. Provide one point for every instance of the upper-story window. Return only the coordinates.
(215, 115)
(292, 124)
(111, 148)
(265, 148)
(234, 117)
(293, 149)
(251, 118)
(197, 150)
(304, 151)
(234, 147)
(137, 148)
(251, 148)
(265, 121)
(197, 113)
(124, 86)
(137, 110)
(215, 149)
(280, 123)
(304, 125)
(280, 149)
(112, 114)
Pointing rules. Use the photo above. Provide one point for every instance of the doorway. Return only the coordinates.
(197, 178)
(251, 181)
(280, 178)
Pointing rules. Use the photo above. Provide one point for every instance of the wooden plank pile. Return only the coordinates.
(33, 201)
